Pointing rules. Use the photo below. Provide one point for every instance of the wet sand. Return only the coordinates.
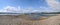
(22, 20)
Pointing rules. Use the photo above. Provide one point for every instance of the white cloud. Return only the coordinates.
(29, 10)
(18, 9)
(10, 9)
(45, 9)
(54, 4)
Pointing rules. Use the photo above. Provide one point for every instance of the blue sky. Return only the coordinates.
(25, 4)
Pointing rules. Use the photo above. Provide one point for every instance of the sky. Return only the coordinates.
(27, 6)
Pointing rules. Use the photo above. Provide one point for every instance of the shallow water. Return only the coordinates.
(34, 16)
(38, 16)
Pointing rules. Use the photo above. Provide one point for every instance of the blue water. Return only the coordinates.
(34, 16)
(37, 16)
(9, 14)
